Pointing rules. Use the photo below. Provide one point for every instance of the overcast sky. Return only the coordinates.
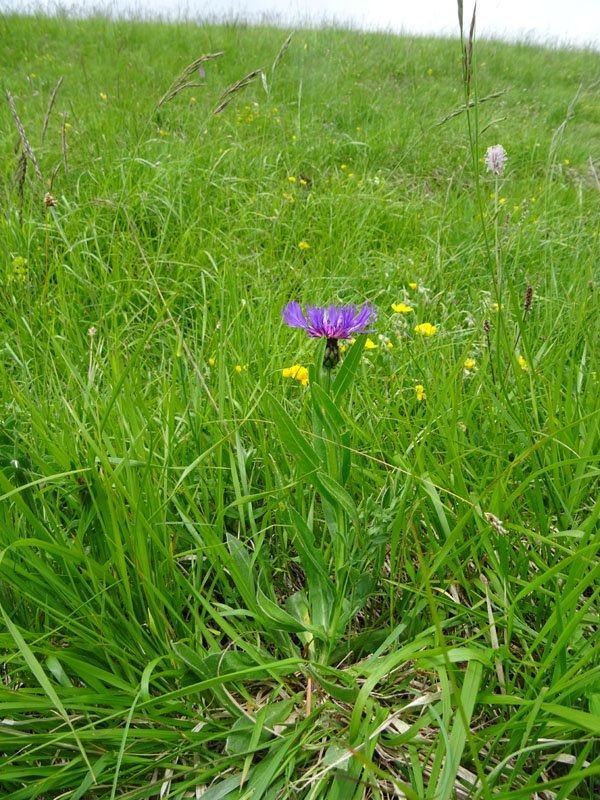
(574, 21)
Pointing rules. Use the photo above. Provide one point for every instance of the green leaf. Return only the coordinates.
(337, 495)
(38, 671)
(458, 737)
(348, 369)
(242, 561)
(321, 593)
(283, 621)
(243, 729)
(579, 720)
(293, 440)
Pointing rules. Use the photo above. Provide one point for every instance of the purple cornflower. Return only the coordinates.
(495, 158)
(333, 323)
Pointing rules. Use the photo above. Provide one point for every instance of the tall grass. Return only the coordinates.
(216, 581)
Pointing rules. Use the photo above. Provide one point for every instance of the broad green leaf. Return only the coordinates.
(348, 369)
(293, 440)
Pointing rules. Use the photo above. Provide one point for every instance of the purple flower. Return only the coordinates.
(495, 158)
(332, 322)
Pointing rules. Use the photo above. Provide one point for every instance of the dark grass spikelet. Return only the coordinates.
(19, 181)
(486, 329)
(50, 104)
(528, 300)
(26, 145)
(182, 81)
(64, 143)
(228, 94)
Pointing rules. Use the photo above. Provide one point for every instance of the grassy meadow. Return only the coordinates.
(217, 580)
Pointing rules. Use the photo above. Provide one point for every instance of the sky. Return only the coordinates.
(575, 22)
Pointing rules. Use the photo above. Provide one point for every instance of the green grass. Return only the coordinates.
(217, 577)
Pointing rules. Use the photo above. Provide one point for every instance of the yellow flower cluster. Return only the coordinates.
(420, 392)
(469, 363)
(297, 372)
(303, 245)
(425, 329)
(523, 364)
(400, 308)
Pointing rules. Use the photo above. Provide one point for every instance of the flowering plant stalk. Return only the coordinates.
(334, 556)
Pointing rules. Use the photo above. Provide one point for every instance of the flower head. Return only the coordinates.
(420, 390)
(331, 322)
(400, 308)
(523, 364)
(297, 372)
(495, 158)
(425, 329)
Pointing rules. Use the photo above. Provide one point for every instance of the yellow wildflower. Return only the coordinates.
(420, 392)
(498, 307)
(522, 363)
(297, 372)
(469, 363)
(400, 308)
(303, 245)
(370, 345)
(425, 329)
(238, 368)
(412, 285)
(103, 96)
(192, 99)
(291, 178)
(211, 361)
